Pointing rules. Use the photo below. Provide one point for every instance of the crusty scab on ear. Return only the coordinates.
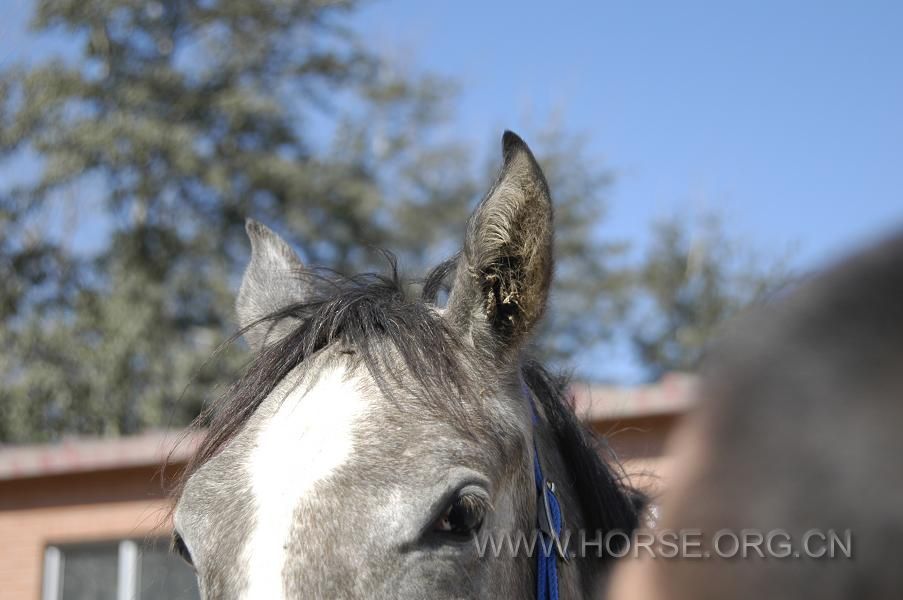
(505, 269)
(272, 281)
(501, 282)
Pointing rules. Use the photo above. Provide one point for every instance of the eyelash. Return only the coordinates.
(463, 516)
(180, 548)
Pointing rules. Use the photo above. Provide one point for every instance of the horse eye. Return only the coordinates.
(180, 548)
(463, 516)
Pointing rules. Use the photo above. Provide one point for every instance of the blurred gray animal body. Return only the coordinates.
(797, 434)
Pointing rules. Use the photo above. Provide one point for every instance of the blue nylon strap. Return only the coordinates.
(547, 552)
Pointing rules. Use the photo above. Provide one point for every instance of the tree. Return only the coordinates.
(692, 280)
(174, 121)
(183, 118)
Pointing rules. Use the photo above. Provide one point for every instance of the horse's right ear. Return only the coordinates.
(505, 268)
(271, 282)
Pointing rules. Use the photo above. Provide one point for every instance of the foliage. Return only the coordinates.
(691, 280)
(173, 121)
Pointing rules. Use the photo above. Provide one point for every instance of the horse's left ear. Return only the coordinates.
(272, 282)
(505, 268)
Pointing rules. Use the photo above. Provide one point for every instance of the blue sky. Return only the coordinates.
(784, 117)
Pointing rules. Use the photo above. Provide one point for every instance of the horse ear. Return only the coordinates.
(271, 282)
(503, 274)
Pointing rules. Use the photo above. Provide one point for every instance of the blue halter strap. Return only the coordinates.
(550, 522)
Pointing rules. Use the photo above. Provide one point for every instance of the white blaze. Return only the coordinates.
(308, 437)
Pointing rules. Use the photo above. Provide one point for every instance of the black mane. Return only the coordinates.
(607, 500)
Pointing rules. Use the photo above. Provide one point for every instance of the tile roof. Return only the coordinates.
(672, 395)
(79, 454)
(593, 403)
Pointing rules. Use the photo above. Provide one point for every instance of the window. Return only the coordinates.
(162, 574)
(123, 570)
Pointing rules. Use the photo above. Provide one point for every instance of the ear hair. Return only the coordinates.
(505, 269)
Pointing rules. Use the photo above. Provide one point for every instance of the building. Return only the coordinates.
(89, 518)
(637, 421)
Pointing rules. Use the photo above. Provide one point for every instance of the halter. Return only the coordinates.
(550, 522)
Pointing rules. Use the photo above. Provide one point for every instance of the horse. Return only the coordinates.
(379, 434)
(794, 447)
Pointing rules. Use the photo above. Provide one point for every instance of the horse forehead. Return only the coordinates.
(305, 434)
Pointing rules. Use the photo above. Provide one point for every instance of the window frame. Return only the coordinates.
(128, 557)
